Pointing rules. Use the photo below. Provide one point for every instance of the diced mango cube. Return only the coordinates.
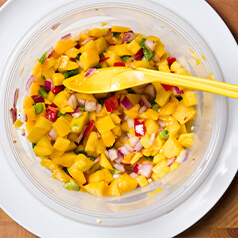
(61, 144)
(189, 98)
(159, 50)
(49, 164)
(162, 96)
(61, 98)
(133, 46)
(174, 166)
(83, 163)
(116, 119)
(58, 79)
(145, 140)
(126, 183)
(172, 124)
(72, 52)
(95, 188)
(133, 112)
(171, 148)
(77, 174)
(18, 123)
(44, 123)
(97, 32)
(175, 65)
(60, 175)
(100, 147)
(158, 158)
(122, 50)
(151, 126)
(136, 157)
(77, 124)
(167, 109)
(113, 190)
(104, 124)
(43, 147)
(101, 175)
(103, 161)
(120, 29)
(65, 160)
(35, 134)
(61, 126)
(142, 181)
(101, 44)
(62, 46)
(161, 169)
(92, 142)
(186, 140)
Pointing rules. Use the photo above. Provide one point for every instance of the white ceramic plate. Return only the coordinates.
(15, 200)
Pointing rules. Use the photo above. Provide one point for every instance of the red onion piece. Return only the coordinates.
(129, 135)
(87, 40)
(13, 113)
(161, 123)
(80, 137)
(52, 134)
(30, 81)
(145, 102)
(123, 151)
(142, 86)
(137, 168)
(90, 106)
(97, 159)
(49, 85)
(108, 34)
(24, 117)
(150, 90)
(156, 58)
(77, 113)
(126, 103)
(130, 123)
(128, 36)
(37, 98)
(16, 95)
(146, 170)
(49, 52)
(133, 175)
(90, 72)
(152, 139)
(125, 139)
(80, 64)
(81, 102)
(126, 164)
(176, 91)
(119, 159)
(138, 147)
(55, 26)
(142, 109)
(66, 37)
(133, 141)
(129, 148)
(182, 156)
(72, 101)
(119, 167)
(98, 107)
(112, 154)
(170, 161)
(150, 44)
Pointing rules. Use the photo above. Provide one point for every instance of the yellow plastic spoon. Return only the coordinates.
(118, 78)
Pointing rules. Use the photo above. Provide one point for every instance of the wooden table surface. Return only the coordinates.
(222, 219)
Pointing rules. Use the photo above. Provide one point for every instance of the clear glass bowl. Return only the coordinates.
(181, 40)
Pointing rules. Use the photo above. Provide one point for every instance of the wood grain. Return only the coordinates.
(222, 220)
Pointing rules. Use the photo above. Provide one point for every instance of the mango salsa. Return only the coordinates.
(111, 143)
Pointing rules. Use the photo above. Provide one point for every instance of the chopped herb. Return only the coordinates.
(155, 107)
(42, 76)
(149, 158)
(65, 170)
(43, 92)
(33, 145)
(42, 58)
(70, 73)
(38, 107)
(152, 102)
(147, 53)
(82, 152)
(117, 35)
(60, 114)
(142, 43)
(115, 171)
(78, 56)
(163, 134)
(129, 90)
(125, 58)
(99, 66)
(92, 158)
(101, 101)
(82, 108)
(101, 55)
(72, 185)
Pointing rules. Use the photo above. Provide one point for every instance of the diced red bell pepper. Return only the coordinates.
(89, 128)
(139, 54)
(171, 60)
(58, 89)
(37, 98)
(53, 105)
(119, 64)
(52, 113)
(111, 104)
(166, 87)
(139, 128)
(104, 59)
